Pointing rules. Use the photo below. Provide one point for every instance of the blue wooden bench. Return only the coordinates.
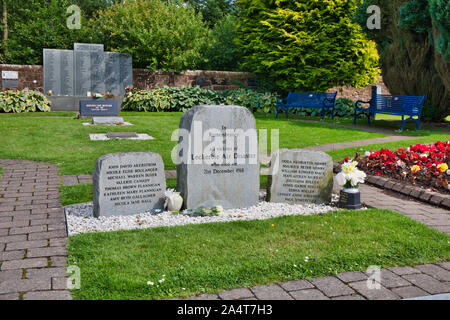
(405, 106)
(324, 101)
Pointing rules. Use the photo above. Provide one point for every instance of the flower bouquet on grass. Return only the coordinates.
(350, 177)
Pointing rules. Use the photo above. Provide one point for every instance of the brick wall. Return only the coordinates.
(31, 77)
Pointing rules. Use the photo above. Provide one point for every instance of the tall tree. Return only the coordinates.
(306, 44)
(414, 43)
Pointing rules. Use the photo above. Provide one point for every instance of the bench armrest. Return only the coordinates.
(363, 102)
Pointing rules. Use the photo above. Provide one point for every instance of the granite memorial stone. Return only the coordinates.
(300, 176)
(128, 183)
(98, 108)
(218, 157)
(88, 47)
(107, 120)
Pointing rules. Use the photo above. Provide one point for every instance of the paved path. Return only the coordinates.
(32, 232)
(396, 283)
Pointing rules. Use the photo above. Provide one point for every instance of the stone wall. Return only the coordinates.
(31, 77)
(364, 94)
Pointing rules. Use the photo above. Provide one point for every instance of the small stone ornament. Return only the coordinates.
(174, 201)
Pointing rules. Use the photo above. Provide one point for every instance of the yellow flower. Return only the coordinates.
(415, 169)
(443, 167)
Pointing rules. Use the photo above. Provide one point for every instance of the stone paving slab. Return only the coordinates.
(32, 232)
(396, 283)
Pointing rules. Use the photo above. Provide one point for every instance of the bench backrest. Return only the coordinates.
(310, 98)
(408, 105)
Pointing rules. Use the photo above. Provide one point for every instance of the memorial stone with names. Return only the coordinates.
(99, 108)
(128, 183)
(300, 176)
(218, 157)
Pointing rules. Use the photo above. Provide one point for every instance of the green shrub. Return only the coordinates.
(159, 34)
(306, 45)
(431, 113)
(183, 98)
(23, 101)
(253, 100)
(169, 99)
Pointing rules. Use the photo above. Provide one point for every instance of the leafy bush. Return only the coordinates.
(23, 101)
(253, 100)
(306, 45)
(169, 99)
(431, 113)
(159, 34)
(184, 98)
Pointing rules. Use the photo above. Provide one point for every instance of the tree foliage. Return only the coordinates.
(222, 52)
(414, 43)
(306, 44)
(34, 25)
(159, 35)
(212, 11)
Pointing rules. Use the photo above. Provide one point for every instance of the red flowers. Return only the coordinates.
(403, 163)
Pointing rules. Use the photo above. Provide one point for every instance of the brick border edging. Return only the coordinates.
(418, 193)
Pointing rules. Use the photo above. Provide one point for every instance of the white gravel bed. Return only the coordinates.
(80, 217)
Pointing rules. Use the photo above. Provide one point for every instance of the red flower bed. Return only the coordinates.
(424, 165)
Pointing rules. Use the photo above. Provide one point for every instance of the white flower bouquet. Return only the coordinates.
(350, 176)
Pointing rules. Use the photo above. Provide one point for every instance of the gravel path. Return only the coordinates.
(80, 217)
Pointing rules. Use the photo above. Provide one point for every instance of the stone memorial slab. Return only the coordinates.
(112, 73)
(107, 120)
(218, 157)
(128, 183)
(126, 72)
(300, 176)
(88, 47)
(52, 74)
(90, 108)
(121, 135)
(66, 73)
(97, 71)
(82, 73)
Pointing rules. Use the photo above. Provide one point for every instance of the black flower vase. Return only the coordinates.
(350, 198)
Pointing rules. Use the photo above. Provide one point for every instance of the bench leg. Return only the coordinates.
(287, 113)
(278, 111)
(403, 123)
(323, 113)
(368, 118)
(354, 118)
(418, 124)
(332, 114)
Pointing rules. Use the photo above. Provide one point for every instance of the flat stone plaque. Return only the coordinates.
(10, 84)
(11, 75)
(128, 183)
(107, 120)
(121, 135)
(300, 176)
(90, 108)
(218, 157)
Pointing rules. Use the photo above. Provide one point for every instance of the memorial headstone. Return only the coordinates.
(112, 72)
(98, 108)
(128, 183)
(218, 157)
(300, 176)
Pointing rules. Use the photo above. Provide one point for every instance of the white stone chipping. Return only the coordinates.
(80, 217)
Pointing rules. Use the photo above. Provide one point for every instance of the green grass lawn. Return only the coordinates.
(65, 141)
(217, 256)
